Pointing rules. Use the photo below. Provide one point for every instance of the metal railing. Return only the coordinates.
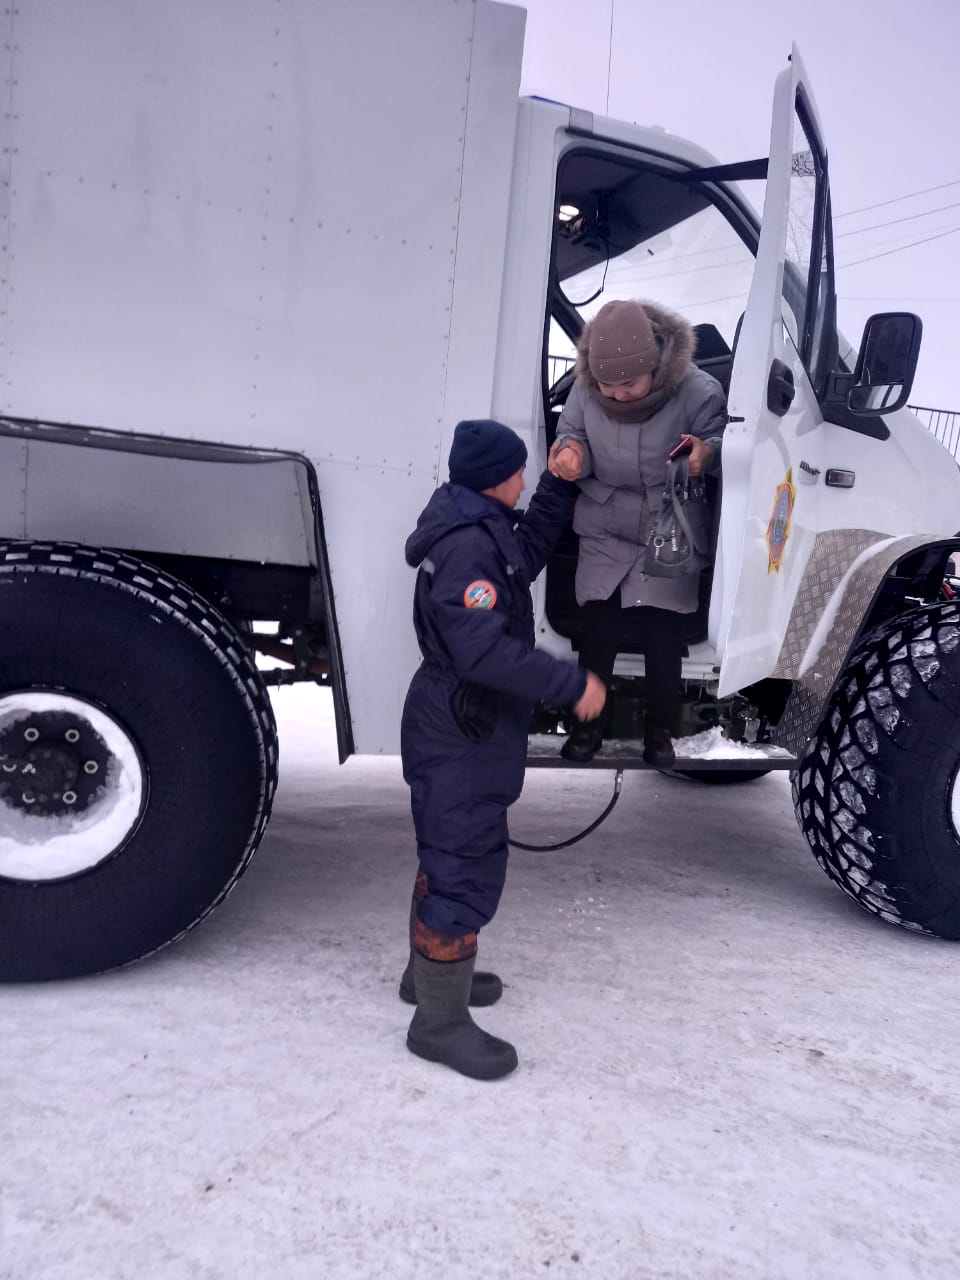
(557, 366)
(943, 423)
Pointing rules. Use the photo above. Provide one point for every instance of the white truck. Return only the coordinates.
(258, 260)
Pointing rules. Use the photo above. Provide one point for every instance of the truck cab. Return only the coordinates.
(821, 466)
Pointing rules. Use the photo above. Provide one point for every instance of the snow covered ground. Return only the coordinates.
(726, 1069)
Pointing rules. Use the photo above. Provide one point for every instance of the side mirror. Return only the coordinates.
(886, 365)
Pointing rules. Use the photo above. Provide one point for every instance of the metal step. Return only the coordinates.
(543, 752)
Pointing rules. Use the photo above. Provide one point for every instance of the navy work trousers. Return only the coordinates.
(460, 790)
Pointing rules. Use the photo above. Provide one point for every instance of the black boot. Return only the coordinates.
(658, 748)
(442, 1029)
(582, 744)
(485, 989)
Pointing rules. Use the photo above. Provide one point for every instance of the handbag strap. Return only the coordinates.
(678, 472)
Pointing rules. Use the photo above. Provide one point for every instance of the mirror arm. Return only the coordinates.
(838, 387)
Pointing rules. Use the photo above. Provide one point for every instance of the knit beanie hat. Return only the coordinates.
(622, 345)
(485, 453)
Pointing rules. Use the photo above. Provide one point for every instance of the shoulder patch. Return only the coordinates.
(480, 595)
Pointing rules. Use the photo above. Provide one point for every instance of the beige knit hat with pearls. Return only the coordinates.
(622, 345)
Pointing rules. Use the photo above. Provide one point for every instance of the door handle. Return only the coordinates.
(780, 388)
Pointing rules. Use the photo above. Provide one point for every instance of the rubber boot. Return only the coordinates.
(485, 989)
(442, 1029)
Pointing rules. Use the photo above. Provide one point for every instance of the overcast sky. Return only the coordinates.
(886, 78)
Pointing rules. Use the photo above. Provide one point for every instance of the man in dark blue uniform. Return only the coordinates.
(465, 723)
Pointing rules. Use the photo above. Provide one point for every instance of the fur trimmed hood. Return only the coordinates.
(677, 343)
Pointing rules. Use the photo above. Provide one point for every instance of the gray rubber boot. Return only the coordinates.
(485, 989)
(442, 1029)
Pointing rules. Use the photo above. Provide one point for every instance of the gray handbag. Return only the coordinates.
(679, 538)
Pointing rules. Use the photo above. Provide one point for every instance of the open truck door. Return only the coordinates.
(773, 445)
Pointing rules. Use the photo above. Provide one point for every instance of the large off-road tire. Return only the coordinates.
(877, 791)
(138, 759)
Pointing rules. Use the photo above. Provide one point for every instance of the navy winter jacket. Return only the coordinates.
(472, 608)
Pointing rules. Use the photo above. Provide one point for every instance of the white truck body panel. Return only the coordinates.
(333, 290)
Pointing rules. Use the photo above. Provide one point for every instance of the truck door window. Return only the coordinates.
(808, 268)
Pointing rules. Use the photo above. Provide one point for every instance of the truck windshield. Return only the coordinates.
(626, 230)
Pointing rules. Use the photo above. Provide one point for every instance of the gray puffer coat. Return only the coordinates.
(625, 463)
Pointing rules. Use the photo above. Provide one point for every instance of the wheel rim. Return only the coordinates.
(72, 786)
(955, 806)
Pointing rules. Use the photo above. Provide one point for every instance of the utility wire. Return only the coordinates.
(893, 239)
(881, 204)
(899, 297)
(892, 222)
(886, 254)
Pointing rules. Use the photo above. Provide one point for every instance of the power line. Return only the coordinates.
(892, 240)
(881, 248)
(887, 252)
(881, 204)
(898, 297)
(892, 222)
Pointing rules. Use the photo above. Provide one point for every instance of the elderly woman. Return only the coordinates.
(637, 397)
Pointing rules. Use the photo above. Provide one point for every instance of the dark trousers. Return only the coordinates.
(460, 791)
(661, 635)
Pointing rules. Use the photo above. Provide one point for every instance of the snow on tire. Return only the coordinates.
(877, 791)
(138, 759)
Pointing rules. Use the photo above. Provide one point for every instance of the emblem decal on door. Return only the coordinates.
(778, 530)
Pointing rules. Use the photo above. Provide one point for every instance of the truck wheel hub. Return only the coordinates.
(72, 785)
